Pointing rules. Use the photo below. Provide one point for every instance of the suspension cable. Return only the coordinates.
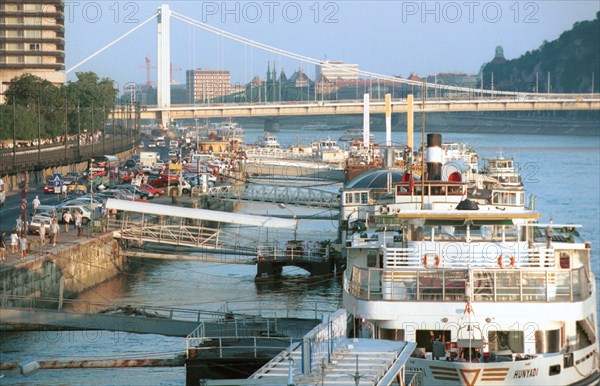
(112, 43)
(306, 59)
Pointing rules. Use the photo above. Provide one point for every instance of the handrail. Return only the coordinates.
(484, 285)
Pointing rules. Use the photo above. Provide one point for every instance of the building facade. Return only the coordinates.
(207, 85)
(337, 70)
(32, 40)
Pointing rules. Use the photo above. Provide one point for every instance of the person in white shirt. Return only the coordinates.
(67, 218)
(35, 203)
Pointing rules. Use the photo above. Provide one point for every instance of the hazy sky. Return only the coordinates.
(388, 37)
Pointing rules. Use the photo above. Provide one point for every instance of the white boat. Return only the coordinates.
(354, 135)
(231, 131)
(489, 295)
(268, 141)
(315, 127)
(503, 170)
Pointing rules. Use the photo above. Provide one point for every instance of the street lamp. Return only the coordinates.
(283, 206)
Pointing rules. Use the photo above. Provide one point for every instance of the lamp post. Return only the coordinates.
(283, 206)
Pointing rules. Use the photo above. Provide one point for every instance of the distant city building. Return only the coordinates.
(336, 70)
(32, 41)
(325, 86)
(299, 79)
(205, 85)
(499, 55)
(455, 79)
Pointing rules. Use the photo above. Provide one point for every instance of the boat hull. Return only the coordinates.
(531, 372)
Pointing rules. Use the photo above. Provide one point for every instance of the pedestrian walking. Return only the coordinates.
(19, 224)
(35, 203)
(67, 218)
(54, 232)
(14, 241)
(78, 223)
(63, 190)
(42, 233)
(2, 246)
(24, 244)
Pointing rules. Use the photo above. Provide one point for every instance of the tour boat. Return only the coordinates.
(268, 141)
(489, 295)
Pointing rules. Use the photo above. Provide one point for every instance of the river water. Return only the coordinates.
(563, 171)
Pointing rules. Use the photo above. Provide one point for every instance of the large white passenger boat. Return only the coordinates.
(489, 295)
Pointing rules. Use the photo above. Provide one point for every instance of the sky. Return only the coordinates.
(386, 37)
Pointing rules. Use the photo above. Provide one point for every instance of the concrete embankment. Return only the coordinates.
(79, 265)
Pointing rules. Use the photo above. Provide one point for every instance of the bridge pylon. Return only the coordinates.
(163, 84)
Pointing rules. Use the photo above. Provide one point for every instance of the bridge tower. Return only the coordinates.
(163, 85)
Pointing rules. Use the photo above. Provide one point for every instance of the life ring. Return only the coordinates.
(511, 264)
(437, 261)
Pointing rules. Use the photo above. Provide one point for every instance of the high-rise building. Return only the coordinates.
(206, 85)
(336, 70)
(32, 40)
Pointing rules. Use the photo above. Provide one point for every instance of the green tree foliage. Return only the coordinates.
(570, 60)
(33, 103)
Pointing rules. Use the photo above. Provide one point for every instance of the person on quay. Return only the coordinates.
(19, 224)
(54, 232)
(35, 203)
(2, 246)
(67, 218)
(23, 245)
(78, 223)
(42, 233)
(14, 241)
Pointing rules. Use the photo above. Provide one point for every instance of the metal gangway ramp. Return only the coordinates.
(289, 195)
(140, 319)
(142, 222)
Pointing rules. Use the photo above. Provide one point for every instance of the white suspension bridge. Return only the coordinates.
(463, 99)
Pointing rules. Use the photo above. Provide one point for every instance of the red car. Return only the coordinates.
(49, 188)
(161, 180)
(151, 189)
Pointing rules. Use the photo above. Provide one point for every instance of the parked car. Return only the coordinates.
(49, 188)
(85, 210)
(71, 177)
(39, 221)
(162, 180)
(44, 210)
(155, 191)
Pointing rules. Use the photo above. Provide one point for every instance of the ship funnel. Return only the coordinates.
(434, 157)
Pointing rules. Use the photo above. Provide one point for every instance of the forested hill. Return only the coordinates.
(571, 59)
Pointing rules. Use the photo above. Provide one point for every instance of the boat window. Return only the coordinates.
(391, 334)
(425, 338)
(506, 342)
(356, 198)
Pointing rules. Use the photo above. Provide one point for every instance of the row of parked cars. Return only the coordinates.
(89, 207)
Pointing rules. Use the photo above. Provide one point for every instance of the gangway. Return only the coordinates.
(289, 195)
(138, 223)
(140, 319)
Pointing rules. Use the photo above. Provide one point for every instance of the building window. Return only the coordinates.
(35, 47)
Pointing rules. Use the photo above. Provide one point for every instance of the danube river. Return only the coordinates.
(563, 171)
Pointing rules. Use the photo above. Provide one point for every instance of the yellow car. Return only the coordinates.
(75, 186)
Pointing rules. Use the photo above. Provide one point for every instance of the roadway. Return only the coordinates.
(520, 102)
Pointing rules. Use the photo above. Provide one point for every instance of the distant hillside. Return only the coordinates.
(571, 59)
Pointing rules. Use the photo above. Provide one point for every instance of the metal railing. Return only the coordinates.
(488, 285)
(461, 255)
(289, 195)
(275, 251)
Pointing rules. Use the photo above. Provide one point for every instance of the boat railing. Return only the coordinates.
(483, 285)
(461, 255)
(276, 252)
